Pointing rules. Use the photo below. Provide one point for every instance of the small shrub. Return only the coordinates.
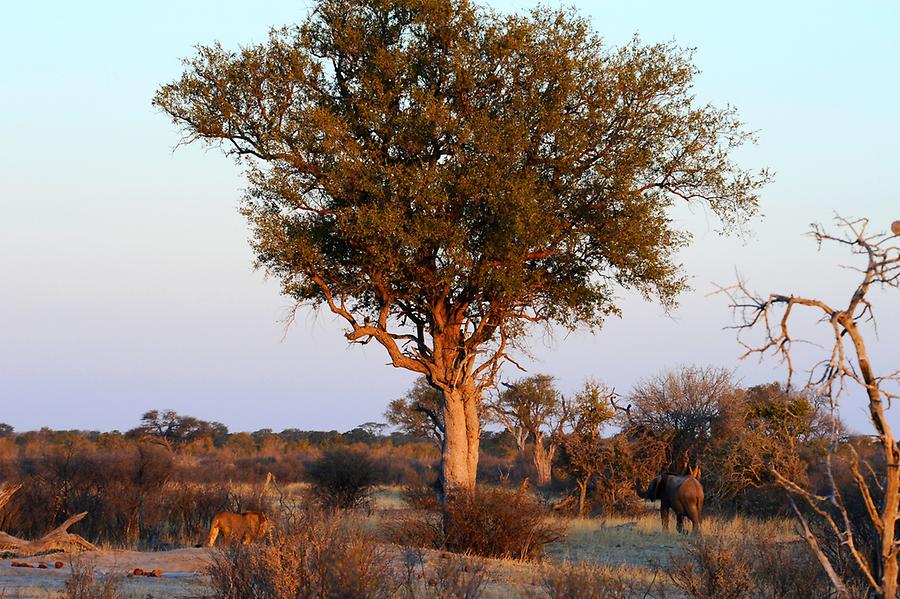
(713, 569)
(83, 583)
(453, 577)
(421, 497)
(588, 581)
(788, 571)
(343, 478)
(761, 568)
(496, 522)
(318, 557)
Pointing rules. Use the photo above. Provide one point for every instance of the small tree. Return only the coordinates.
(776, 425)
(684, 410)
(583, 448)
(418, 413)
(439, 176)
(532, 408)
(847, 363)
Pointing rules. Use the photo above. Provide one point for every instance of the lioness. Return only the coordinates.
(245, 527)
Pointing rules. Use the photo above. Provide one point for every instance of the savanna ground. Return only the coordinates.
(634, 552)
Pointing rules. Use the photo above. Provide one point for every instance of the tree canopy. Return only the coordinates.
(440, 175)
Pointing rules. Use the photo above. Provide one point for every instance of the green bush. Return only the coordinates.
(343, 478)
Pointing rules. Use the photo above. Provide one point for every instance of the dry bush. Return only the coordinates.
(712, 569)
(453, 577)
(120, 491)
(590, 581)
(715, 567)
(318, 557)
(499, 523)
(493, 522)
(788, 571)
(190, 508)
(343, 478)
(83, 583)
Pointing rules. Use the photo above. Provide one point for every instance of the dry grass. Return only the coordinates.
(590, 581)
(319, 557)
(642, 540)
(615, 557)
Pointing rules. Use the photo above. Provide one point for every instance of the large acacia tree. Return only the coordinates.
(439, 175)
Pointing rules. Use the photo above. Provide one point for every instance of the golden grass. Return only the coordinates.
(641, 541)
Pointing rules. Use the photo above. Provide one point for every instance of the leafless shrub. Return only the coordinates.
(716, 567)
(788, 571)
(83, 583)
(318, 557)
(189, 510)
(688, 408)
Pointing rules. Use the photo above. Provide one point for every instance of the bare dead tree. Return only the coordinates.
(689, 407)
(847, 364)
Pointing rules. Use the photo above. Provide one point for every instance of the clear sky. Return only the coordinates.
(126, 280)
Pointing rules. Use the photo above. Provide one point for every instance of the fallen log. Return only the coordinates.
(6, 492)
(58, 539)
(565, 503)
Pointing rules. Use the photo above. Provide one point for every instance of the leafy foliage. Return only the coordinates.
(440, 175)
(418, 413)
(777, 425)
(343, 478)
(173, 429)
(585, 453)
(532, 408)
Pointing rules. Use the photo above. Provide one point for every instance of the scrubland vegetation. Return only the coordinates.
(440, 178)
(356, 513)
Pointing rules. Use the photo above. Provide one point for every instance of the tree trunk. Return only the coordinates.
(582, 495)
(459, 452)
(889, 511)
(542, 461)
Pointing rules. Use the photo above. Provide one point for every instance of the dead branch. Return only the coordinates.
(847, 362)
(6, 493)
(58, 539)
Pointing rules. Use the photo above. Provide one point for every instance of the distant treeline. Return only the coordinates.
(187, 434)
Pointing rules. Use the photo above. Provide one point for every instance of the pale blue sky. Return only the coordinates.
(125, 275)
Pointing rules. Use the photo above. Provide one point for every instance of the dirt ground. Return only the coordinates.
(638, 549)
(181, 573)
